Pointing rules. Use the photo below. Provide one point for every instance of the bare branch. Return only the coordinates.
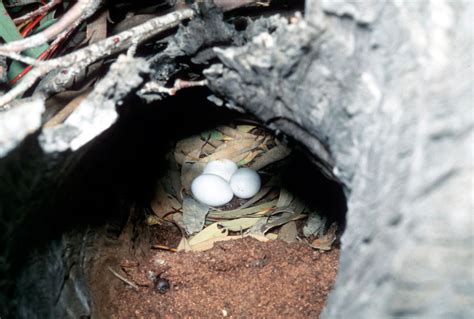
(37, 12)
(156, 87)
(83, 57)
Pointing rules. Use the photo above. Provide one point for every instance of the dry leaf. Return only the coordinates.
(233, 150)
(163, 202)
(285, 198)
(194, 215)
(280, 220)
(239, 224)
(245, 128)
(314, 224)
(248, 157)
(276, 154)
(233, 133)
(183, 245)
(212, 231)
(236, 213)
(325, 242)
(186, 146)
(297, 205)
(288, 232)
(261, 194)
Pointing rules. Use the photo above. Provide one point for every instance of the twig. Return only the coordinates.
(78, 13)
(156, 87)
(82, 58)
(33, 14)
(164, 248)
(125, 280)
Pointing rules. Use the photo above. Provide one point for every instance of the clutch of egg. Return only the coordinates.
(221, 180)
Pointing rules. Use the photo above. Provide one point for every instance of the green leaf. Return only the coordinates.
(212, 135)
(9, 33)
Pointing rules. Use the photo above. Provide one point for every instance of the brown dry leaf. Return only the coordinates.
(276, 154)
(325, 242)
(208, 149)
(281, 220)
(249, 157)
(163, 202)
(239, 224)
(233, 150)
(237, 213)
(233, 133)
(186, 146)
(288, 232)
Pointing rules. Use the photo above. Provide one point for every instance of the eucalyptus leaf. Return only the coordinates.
(239, 224)
(314, 224)
(212, 135)
(212, 231)
(236, 213)
(275, 154)
(288, 232)
(281, 221)
(285, 198)
(194, 215)
(9, 32)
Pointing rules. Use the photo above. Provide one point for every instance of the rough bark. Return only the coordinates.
(379, 91)
(384, 89)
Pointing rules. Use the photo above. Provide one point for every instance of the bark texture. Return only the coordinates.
(381, 91)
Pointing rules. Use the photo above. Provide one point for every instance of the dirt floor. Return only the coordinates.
(237, 278)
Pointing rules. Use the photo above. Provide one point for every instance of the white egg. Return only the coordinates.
(245, 183)
(224, 168)
(211, 190)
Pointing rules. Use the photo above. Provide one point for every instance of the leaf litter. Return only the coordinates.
(272, 213)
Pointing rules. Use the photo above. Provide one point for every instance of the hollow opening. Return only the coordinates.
(118, 199)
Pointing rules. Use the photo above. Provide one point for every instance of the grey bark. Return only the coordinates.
(382, 93)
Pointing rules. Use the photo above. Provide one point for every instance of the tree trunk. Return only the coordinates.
(381, 92)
